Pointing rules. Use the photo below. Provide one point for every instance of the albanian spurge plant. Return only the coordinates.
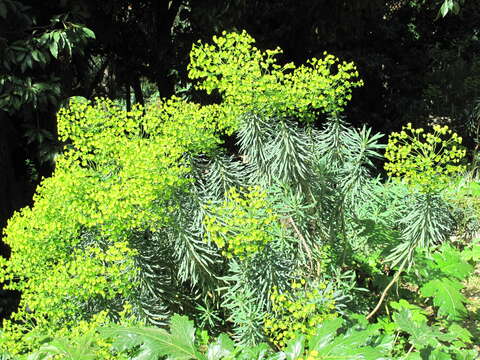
(164, 220)
(123, 221)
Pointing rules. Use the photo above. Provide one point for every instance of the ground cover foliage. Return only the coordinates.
(288, 247)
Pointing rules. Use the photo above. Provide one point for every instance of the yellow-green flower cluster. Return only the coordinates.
(424, 160)
(310, 355)
(55, 300)
(251, 80)
(299, 311)
(243, 224)
(102, 189)
(13, 336)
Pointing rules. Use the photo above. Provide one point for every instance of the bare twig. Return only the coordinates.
(390, 284)
(409, 350)
(301, 237)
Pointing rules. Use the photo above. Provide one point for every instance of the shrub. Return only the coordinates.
(121, 221)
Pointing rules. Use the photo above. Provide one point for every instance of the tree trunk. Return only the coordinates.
(162, 45)
(137, 88)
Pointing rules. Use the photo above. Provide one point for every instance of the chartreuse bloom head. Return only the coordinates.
(424, 160)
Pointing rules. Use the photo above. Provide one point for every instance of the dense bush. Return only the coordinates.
(287, 237)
